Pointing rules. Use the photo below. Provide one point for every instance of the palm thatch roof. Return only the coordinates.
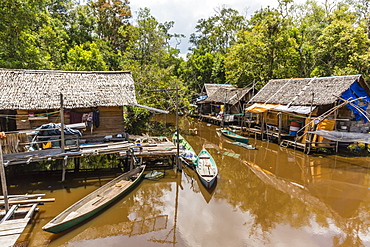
(228, 95)
(211, 88)
(41, 89)
(307, 91)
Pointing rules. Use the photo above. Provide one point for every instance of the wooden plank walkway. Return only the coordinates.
(11, 229)
(159, 149)
(155, 150)
(56, 153)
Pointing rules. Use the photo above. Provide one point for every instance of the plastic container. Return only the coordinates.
(294, 127)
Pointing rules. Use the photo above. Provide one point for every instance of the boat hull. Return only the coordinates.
(207, 183)
(65, 225)
(235, 137)
(189, 155)
(206, 169)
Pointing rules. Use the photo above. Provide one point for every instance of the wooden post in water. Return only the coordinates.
(3, 180)
(65, 160)
(280, 116)
(77, 162)
(178, 163)
(131, 160)
(263, 125)
(62, 142)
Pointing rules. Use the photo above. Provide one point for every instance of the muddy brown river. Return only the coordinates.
(272, 196)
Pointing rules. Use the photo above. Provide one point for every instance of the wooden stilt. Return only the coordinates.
(62, 142)
(280, 116)
(77, 162)
(263, 125)
(65, 160)
(3, 180)
(132, 160)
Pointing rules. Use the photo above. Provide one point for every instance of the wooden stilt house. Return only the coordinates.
(206, 107)
(225, 102)
(31, 98)
(288, 108)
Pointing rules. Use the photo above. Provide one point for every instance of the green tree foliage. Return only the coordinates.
(153, 63)
(341, 45)
(85, 57)
(218, 32)
(111, 15)
(291, 40)
(210, 44)
(19, 21)
(267, 50)
(80, 25)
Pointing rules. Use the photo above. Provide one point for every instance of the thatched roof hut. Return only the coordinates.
(228, 95)
(41, 89)
(307, 91)
(31, 98)
(210, 88)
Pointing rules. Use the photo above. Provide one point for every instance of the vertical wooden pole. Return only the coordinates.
(178, 163)
(62, 142)
(3, 180)
(65, 160)
(262, 125)
(280, 116)
(132, 160)
(77, 162)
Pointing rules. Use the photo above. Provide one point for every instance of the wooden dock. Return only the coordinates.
(161, 147)
(11, 229)
(14, 221)
(56, 153)
(153, 150)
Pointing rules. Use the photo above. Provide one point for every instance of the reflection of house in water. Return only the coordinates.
(343, 192)
(338, 201)
(150, 224)
(331, 185)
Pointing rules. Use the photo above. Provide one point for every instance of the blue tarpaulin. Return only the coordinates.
(200, 98)
(356, 91)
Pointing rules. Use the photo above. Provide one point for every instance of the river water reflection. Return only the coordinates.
(271, 196)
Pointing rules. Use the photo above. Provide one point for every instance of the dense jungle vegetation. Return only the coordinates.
(293, 40)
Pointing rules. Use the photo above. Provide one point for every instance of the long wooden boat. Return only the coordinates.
(206, 168)
(95, 201)
(234, 136)
(187, 151)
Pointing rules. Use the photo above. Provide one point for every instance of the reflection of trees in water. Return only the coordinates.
(150, 199)
(274, 200)
(293, 191)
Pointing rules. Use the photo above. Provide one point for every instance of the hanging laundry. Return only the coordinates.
(88, 119)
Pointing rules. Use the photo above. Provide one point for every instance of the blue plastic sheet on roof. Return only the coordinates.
(353, 92)
(200, 98)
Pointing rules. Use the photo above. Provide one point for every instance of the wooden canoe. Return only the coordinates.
(95, 201)
(186, 150)
(206, 168)
(234, 136)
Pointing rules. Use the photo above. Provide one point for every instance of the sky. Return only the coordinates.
(186, 14)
